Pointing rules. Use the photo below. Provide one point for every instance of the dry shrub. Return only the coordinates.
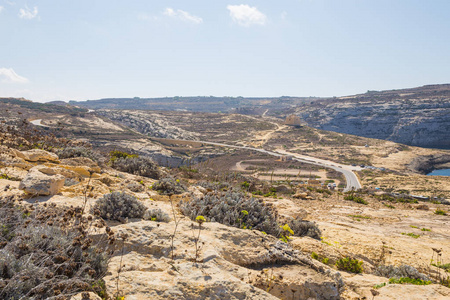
(46, 251)
(119, 206)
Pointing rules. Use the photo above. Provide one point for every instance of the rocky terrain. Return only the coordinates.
(210, 260)
(417, 116)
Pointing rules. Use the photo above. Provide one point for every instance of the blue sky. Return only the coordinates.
(96, 49)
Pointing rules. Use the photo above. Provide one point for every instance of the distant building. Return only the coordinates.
(293, 120)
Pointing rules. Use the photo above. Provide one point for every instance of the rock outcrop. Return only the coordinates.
(36, 182)
(417, 117)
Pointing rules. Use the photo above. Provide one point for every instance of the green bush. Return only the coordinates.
(356, 199)
(440, 212)
(350, 265)
(408, 280)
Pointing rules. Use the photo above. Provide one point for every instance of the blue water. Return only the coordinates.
(443, 172)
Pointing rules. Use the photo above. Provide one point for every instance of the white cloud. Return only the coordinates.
(246, 15)
(182, 15)
(1, 8)
(9, 76)
(27, 13)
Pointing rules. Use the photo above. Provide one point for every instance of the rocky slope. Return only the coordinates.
(236, 263)
(417, 117)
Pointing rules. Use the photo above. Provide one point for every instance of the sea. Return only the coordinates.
(443, 172)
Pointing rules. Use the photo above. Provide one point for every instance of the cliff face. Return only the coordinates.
(417, 117)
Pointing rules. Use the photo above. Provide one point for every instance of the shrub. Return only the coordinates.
(350, 265)
(78, 151)
(116, 154)
(43, 255)
(137, 165)
(440, 212)
(156, 214)
(305, 228)
(169, 186)
(408, 280)
(356, 199)
(286, 233)
(119, 206)
(399, 272)
(135, 187)
(226, 208)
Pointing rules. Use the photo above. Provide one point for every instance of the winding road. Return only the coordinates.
(350, 177)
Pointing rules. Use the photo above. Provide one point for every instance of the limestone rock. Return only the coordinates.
(197, 191)
(300, 196)
(39, 183)
(36, 155)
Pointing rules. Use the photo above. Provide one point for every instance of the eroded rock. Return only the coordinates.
(39, 183)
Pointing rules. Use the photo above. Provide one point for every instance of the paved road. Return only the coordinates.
(347, 171)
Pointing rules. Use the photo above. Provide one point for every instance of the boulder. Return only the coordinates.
(36, 155)
(39, 183)
(300, 196)
(197, 191)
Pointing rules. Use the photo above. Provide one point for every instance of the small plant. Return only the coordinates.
(416, 236)
(242, 224)
(379, 286)
(389, 206)
(407, 280)
(245, 185)
(425, 229)
(200, 220)
(350, 265)
(412, 226)
(323, 259)
(177, 222)
(286, 233)
(440, 212)
(156, 215)
(119, 206)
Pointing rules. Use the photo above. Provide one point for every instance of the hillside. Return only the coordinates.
(116, 225)
(416, 117)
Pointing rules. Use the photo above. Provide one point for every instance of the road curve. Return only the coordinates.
(350, 177)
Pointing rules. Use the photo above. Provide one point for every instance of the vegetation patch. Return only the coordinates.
(416, 236)
(407, 280)
(440, 212)
(46, 252)
(118, 206)
(350, 265)
(133, 164)
(169, 186)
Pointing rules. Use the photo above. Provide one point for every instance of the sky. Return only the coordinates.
(79, 50)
